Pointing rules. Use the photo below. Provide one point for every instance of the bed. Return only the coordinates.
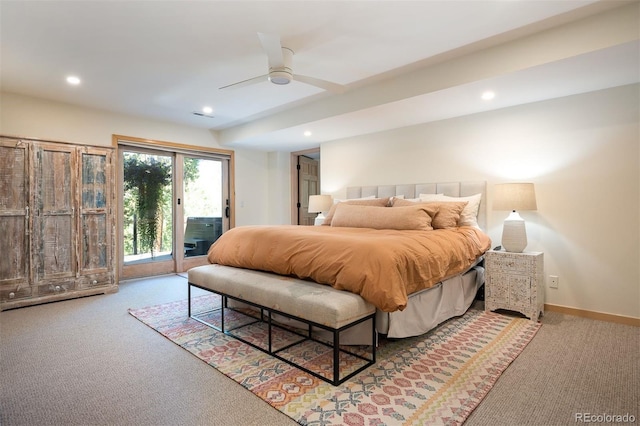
(450, 297)
(423, 309)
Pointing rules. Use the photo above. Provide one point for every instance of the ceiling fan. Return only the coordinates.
(280, 60)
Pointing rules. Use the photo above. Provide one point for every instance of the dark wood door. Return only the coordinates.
(308, 184)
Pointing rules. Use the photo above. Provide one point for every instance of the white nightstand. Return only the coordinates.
(515, 281)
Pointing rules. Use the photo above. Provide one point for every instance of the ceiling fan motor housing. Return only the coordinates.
(284, 74)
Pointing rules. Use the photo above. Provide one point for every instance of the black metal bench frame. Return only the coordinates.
(336, 380)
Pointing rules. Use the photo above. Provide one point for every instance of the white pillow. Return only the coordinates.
(369, 197)
(469, 215)
(401, 197)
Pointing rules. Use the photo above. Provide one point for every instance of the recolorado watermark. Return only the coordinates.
(604, 418)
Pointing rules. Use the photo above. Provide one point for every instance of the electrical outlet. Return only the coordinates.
(553, 281)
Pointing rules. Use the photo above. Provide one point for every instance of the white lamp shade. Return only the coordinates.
(514, 196)
(320, 203)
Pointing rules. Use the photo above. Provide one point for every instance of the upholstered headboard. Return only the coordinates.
(452, 189)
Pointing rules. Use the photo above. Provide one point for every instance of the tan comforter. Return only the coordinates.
(382, 266)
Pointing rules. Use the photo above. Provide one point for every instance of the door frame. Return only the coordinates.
(295, 187)
(174, 265)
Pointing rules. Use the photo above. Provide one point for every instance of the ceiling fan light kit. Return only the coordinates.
(281, 76)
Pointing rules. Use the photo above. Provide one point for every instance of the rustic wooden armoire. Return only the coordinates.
(57, 222)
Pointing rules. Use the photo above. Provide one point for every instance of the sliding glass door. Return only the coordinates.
(173, 206)
(147, 207)
(204, 213)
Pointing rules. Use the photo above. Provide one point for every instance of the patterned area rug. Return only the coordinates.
(437, 379)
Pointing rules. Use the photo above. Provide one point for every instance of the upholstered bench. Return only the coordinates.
(316, 305)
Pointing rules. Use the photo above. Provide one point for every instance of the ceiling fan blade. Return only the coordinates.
(323, 84)
(248, 82)
(273, 48)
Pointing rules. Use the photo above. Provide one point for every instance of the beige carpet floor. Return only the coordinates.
(88, 362)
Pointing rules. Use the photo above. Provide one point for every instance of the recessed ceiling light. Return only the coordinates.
(73, 80)
(307, 133)
(207, 110)
(488, 95)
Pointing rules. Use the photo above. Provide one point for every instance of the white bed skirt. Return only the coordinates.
(425, 310)
(428, 308)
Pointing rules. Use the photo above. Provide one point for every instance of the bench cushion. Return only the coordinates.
(308, 300)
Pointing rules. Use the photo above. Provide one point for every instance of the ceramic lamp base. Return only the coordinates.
(514, 233)
(319, 219)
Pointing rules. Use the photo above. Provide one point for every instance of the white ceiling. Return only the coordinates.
(167, 59)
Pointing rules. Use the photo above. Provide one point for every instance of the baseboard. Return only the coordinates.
(601, 316)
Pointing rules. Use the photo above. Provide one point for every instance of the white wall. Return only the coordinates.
(279, 203)
(28, 117)
(582, 153)
(252, 187)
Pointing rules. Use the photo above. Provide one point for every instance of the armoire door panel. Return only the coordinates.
(94, 183)
(14, 209)
(13, 258)
(93, 250)
(54, 179)
(57, 245)
(96, 228)
(54, 226)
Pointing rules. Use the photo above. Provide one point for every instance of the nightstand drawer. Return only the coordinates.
(510, 263)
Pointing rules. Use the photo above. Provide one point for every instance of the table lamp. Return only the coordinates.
(320, 204)
(514, 196)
